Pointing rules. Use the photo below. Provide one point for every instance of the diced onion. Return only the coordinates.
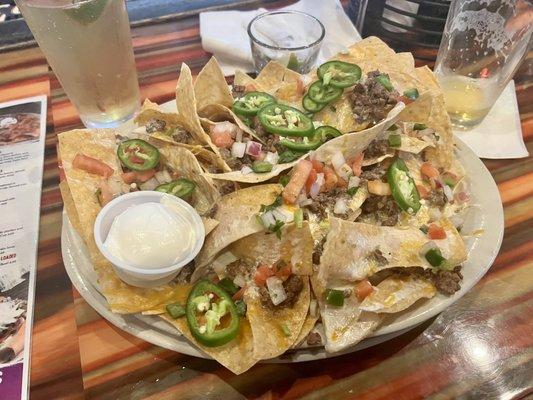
(354, 181)
(225, 127)
(219, 268)
(427, 247)
(163, 176)
(268, 219)
(253, 148)
(282, 214)
(305, 202)
(337, 160)
(271, 157)
(341, 207)
(239, 281)
(238, 136)
(317, 185)
(238, 149)
(150, 184)
(246, 170)
(276, 290)
(448, 192)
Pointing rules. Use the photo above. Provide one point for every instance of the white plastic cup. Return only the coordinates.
(148, 277)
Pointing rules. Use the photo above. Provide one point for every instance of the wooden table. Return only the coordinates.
(480, 348)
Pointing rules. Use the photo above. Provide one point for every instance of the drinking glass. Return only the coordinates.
(88, 45)
(292, 38)
(482, 46)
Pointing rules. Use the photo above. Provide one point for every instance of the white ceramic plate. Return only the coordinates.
(487, 214)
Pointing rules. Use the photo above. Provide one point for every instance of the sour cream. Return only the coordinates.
(151, 235)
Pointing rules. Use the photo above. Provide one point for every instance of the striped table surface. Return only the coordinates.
(480, 348)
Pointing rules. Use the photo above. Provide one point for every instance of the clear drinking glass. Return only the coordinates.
(88, 45)
(292, 38)
(482, 46)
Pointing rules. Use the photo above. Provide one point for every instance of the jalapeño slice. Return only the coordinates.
(138, 155)
(181, 188)
(311, 106)
(339, 74)
(327, 132)
(212, 320)
(285, 121)
(403, 188)
(251, 103)
(320, 93)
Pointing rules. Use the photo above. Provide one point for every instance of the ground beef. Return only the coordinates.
(384, 208)
(184, 276)
(155, 125)
(374, 173)
(238, 91)
(325, 202)
(211, 213)
(377, 148)
(317, 252)
(446, 282)
(438, 198)
(371, 101)
(314, 339)
(293, 286)
(181, 136)
(237, 268)
(226, 187)
(234, 163)
(378, 257)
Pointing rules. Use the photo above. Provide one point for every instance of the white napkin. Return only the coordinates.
(500, 133)
(224, 33)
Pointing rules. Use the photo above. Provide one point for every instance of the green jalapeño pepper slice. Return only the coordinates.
(181, 188)
(138, 155)
(251, 103)
(403, 187)
(327, 132)
(411, 94)
(384, 80)
(303, 145)
(320, 93)
(285, 121)
(311, 106)
(339, 74)
(211, 314)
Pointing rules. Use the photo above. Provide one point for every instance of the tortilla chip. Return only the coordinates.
(185, 163)
(237, 355)
(211, 87)
(273, 75)
(351, 144)
(275, 331)
(236, 213)
(351, 259)
(70, 207)
(150, 110)
(217, 112)
(209, 224)
(243, 79)
(295, 248)
(430, 109)
(308, 325)
(397, 293)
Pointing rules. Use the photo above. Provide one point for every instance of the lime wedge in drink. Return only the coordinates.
(87, 11)
(293, 63)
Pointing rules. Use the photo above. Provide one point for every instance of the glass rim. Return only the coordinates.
(268, 13)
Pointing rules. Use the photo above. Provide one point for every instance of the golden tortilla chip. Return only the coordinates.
(339, 114)
(211, 87)
(397, 293)
(243, 79)
(236, 213)
(273, 75)
(150, 110)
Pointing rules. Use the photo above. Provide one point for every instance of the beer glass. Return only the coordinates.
(88, 45)
(482, 46)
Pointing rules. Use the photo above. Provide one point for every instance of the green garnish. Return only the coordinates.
(175, 310)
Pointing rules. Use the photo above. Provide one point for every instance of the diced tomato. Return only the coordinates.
(134, 159)
(429, 170)
(262, 273)
(358, 164)
(299, 176)
(484, 73)
(137, 176)
(317, 166)
(310, 180)
(222, 139)
(284, 272)
(436, 232)
(239, 294)
(300, 87)
(363, 289)
(330, 178)
(404, 99)
(423, 191)
(92, 165)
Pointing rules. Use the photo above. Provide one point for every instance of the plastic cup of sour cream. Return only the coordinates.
(148, 236)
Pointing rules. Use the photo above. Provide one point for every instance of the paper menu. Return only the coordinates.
(22, 138)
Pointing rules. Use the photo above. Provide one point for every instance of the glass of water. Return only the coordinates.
(292, 38)
(482, 46)
(88, 45)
